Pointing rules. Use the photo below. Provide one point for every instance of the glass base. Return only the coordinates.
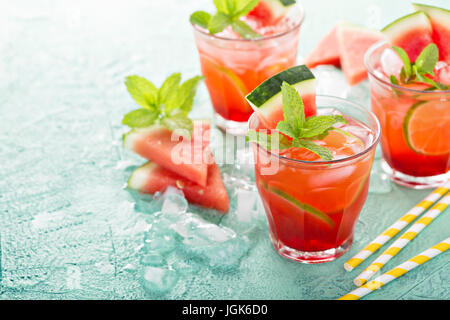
(229, 126)
(312, 257)
(414, 182)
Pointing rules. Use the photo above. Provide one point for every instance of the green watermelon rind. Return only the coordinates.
(267, 96)
(405, 23)
(139, 177)
(428, 8)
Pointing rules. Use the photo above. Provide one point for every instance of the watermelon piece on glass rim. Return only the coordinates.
(152, 178)
(412, 33)
(354, 41)
(188, 157)
(440, 22)
(325, 52)
(266, 99)
(270, 12)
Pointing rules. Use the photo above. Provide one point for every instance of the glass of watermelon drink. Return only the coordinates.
(312, 205)
(234, 66)
(415, 122)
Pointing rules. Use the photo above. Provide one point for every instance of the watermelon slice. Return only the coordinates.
(152, 178)
(266, 99)
(270, 12)
(189, 157)
(412, 33)
(326, 51)
(353, 44)
(440, 22)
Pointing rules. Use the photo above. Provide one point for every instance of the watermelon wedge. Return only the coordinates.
(440, 22)
(326, 51)
(189, 157)
(353, 44)
(412, 33)
(152, 178)
(266, 99)
(270, 12)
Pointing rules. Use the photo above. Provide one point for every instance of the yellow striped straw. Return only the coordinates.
(398, 271)
(398, 226)
(404, 239)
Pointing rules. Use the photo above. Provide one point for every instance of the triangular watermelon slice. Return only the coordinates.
(412, 33)
(353, 44)
(440, 22)
(326, 51)
(152, 178)
(189, 157)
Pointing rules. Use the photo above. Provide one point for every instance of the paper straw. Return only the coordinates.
(398, 226)
(398, 271)
(404, 239)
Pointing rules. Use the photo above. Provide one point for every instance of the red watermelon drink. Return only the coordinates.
(235, 64)
(413, 107)
(313, 189)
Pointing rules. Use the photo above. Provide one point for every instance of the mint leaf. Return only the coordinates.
(183, 99)
(219, 22)
(228, 14)
(142, 91)
(315, 126)
(286, 129)
(243, 7)
(140, 118)
(273, 141)
(200, 18)
(293, 108)
(393, 80)
(302, 131)
(169, 86)
(427, 59)
(405, 59)
(244, 30)
(222, 6)
(322, 152)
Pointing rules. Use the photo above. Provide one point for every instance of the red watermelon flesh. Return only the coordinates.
(440, 22)
(187, 157)
(269, 12)
(271, 119)
(412, 33)
(326, 51)
(354, 41)
(152, 178)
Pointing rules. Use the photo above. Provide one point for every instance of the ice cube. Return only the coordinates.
(223, 256)
(196, 231)
(391, 63)
(158, 280)
(443, 74)
(160, 245)
(174, 203)
(244, 218)
(152, 259)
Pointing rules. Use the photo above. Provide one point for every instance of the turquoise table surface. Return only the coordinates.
(68, 227)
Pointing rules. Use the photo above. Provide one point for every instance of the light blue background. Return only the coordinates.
(68, 228)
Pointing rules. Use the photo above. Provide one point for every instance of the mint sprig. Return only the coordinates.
(228, 13)
(168, 106)
(420, 69)
(302, 131)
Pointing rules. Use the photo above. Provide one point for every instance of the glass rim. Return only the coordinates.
(370, 70)
(342, 160)
(274, 36)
